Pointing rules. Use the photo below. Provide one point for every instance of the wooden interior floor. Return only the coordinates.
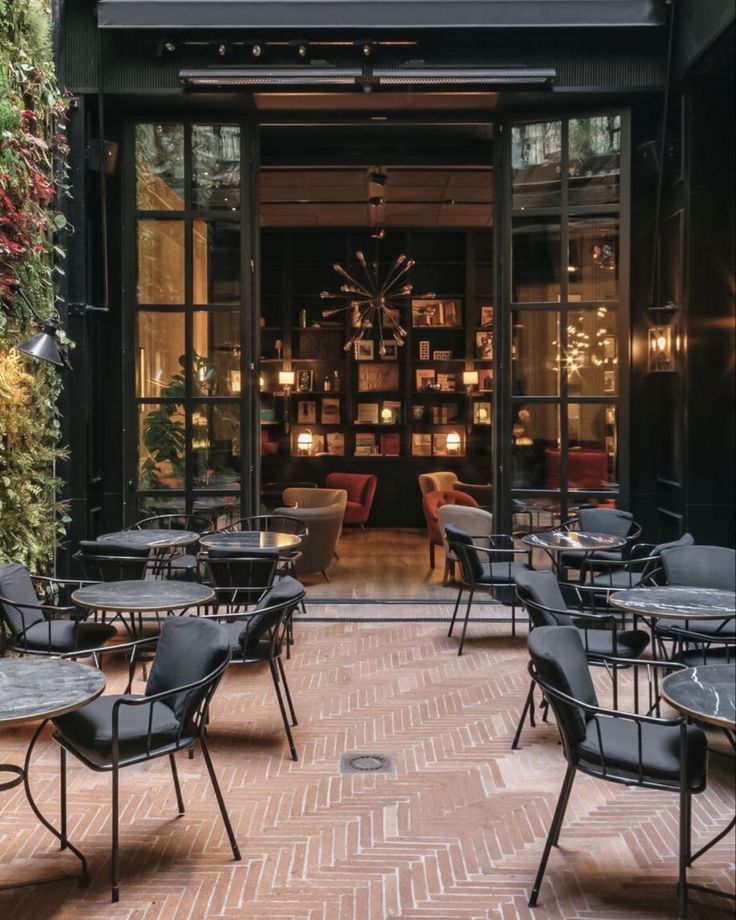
(454, 834)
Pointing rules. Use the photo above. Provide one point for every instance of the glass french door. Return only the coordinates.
(565, 295)
(190, 302)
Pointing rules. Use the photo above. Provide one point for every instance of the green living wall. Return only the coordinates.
(32, 156)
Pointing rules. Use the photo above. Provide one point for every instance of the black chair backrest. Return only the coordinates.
(188, 649)
(103, 561)
(18, 599)
(611, 521)
(700, 566)
(242, 577)
(177, 521)
(270, 611)
(540, 594)
(558, 657)
(461, 543)
(278, 523)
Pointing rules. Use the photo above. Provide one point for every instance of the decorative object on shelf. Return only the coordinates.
(335, 443)
(286, 380)
(454, 443)
(303, 319)
(470, 381)
(278, 348)
(327, 383)
(486, 316)
(439, 444)
(336, 381)
(389, 351)
(425, 378)
(378, 377)
(304, 443)
(365, 444)
(446, 382)
(374, 301)
(391, 412)
(442, 356)
(235, 382)
(660, 349)
(306, 412)
(430, 312)
(603, 253)
(482, 413)
(364, 350)
(418, 413)
(424, 350)
(330, 411)
(390, 444)
(485, 381)
(484, 346)
(305, 381)
(367, 414)
(421, 445)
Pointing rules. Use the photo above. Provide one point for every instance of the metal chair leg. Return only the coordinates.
(554, 831)
(465, 624)
(454, 612)
(220, 800)
(528, 708)
(62, 797)
(431, 555)
(284, 717)
(115, 865)
(177, 787)
(287, 692)
(324, 575)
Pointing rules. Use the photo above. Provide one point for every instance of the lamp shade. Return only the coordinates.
(453, 442)
(44, 346)
(286, 378)
(304, 442)
(470, 378)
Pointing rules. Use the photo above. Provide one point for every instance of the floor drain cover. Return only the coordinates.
(367, 763)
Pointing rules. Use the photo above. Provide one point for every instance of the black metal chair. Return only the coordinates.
(239, 579)
(499, 569)
(177, 563)
(541, 595)
(611, 521)
(257, 636)
(621, 747)
(47, 625)
(643, 567)
(116, 731)
(103, 561)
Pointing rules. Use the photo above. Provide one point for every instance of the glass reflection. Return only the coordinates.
(594, 166)
(535, 440)
(216, 261)
(216, 167)
(535, 245)
(159, 167)
(216, 359)
(161, 439)
(593, 259)
(592, 352)
(593, 440)
(534, 355)
(216, 446)
(536, 163)
(160, 261)
(159, 354)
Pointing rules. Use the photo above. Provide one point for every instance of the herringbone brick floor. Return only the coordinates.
(455, 834)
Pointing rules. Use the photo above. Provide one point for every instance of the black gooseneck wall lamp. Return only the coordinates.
(45, 346)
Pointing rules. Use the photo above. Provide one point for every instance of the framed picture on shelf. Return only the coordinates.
(364, 350)
(425, 378)
(390, 443)
(486, 316)
(365, 444)
(484, 346)
(419, 413)
(421, 445)
(426, 312)
(609, 381)
(485, 381)
(439, 444)
(367, 414)
(390, 351)
(330, 414)
(318, 444)
(335, 443)
(306, 412)
(442, 356)
(481, 413)
(305, 381)
(378, 377)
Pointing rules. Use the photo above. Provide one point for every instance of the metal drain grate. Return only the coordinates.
(367, 763)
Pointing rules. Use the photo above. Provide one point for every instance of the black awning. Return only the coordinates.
(376, 14)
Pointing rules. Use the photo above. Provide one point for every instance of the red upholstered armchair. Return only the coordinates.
(586, 469)
(361, 489)
(431, 503)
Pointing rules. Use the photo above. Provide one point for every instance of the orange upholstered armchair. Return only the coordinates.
(361, 489)
(431, 503)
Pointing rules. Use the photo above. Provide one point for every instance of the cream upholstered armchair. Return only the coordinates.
(297, 497)
(322, 510)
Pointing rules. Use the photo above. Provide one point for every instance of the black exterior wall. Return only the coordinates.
(681, 438)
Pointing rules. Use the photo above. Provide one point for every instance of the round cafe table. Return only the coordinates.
(245, 540)
(44, 688)
(677, 603)
(562, 541)
(155, 538)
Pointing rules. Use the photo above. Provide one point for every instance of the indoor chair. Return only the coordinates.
(431, 503)
(439, 481)
(360, 489)
(116, 731)
(319, 542)
(477, 522)
(609, 744)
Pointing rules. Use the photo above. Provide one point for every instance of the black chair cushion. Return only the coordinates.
(708, 654)
(284, 593)
(660, 749)
(629, 644)
(559, 657)
(612, 521)
(700, 566)
(105, 548)
(501, 572)
(455, 534)
(89, 729)
(16, 586)
(718, 629)
(66, 636)
(188, 650)
(617, 578)
(543, 588)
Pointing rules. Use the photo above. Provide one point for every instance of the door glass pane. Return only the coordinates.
(216, 167)
(160, 261)
(216, 358)
(535, 352)
(593, 438)
(216, 445)
(535, 255)
(216, 261)
(592, 352)
(535, 439)
(159, 167)
(595, 159)
(161, 446)
(536, 164)
(160, 354)
(593, 262)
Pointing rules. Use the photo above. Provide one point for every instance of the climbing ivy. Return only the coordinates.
(32, 176)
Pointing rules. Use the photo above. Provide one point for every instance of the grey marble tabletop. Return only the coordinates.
(42, 688)
(563, 540)
(708, 693)
(142, 595)
(677, 603)
(252, 539)
(151, 539)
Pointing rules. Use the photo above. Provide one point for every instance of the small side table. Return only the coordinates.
(43, 688)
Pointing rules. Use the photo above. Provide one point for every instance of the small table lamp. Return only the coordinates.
(304, 442)
(453, 443)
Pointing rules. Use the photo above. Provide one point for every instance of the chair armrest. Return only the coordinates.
(77, 582)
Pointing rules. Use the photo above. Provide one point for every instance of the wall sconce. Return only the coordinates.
(660, 356)
(44, 346)
(286, 380)
(304, 443)
(453, 443)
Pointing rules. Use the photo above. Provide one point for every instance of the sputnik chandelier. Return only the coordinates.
(374, 302)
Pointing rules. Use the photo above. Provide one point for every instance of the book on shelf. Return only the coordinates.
(439, 444)
(390, 443)
(330, 411)
(318, 443)
(335, 443)
(367, 414)
(365, 444)
(421, 445)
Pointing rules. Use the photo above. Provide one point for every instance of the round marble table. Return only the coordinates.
(244, 540)
(142, 596)
(43, 688)
(154, 538)
(677, 603)
(706, 693)
(561, 541)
